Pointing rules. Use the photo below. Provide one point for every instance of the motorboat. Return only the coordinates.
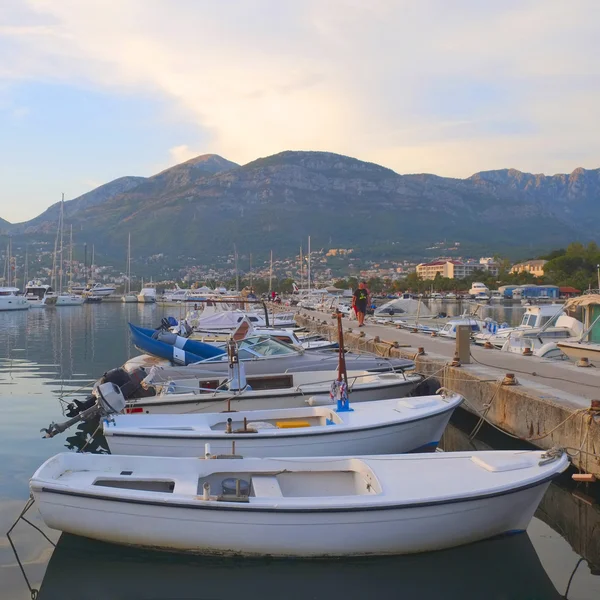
(467, 572)
(260, 353)
(67, 299)
(38, 294)
(99, 289)
(147, 295)
(10, 300)
(535, 318)
(297, 507)
(587, 345)
(449, 328)
(543, 342)
(129, 298)
(379, 427)
(479, 288)
(206, 391)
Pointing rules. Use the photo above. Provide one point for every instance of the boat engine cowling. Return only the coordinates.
(110, 398)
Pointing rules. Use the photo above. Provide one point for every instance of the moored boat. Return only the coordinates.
(305, 507)
(9, 300)
(379, 427)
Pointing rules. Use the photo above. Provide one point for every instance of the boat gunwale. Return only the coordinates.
(326, 429)
(234, 506)
(286, 392)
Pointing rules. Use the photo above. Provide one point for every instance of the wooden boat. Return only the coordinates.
(470, 573)
(381, 427)
(209, 391)
(332, 506)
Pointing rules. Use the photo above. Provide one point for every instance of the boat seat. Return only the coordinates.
(496, 464)
(266, 486)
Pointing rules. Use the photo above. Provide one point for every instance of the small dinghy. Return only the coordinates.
(380, 427)
(310, 507)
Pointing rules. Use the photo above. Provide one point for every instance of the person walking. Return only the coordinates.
(360, 301)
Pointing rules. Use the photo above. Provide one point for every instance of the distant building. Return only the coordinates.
(535, 267)
(456, 269)
(339, 251)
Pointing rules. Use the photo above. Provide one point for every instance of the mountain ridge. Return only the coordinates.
(206, 204)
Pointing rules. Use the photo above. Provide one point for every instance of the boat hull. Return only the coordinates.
(576, 351)
(13, 303)
(267, 399)
(395, 438)
(394, 530)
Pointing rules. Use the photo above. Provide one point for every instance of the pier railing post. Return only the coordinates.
(463, 343)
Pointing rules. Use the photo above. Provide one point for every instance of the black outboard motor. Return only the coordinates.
(130, 384)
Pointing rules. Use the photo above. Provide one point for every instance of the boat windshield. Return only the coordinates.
(265, 346)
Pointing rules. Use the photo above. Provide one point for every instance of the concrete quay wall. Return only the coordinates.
(532, 410)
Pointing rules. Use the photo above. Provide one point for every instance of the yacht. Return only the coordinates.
(99, 289)
(10, 301)
(38, 294)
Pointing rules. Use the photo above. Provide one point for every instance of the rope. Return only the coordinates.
(90, 439)
(572, 575)
(32, 591)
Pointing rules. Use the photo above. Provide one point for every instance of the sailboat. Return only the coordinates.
(64, 298)
(129, 296)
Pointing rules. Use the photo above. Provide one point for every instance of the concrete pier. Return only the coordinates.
(549, 405)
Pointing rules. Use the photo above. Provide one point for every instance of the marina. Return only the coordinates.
(48, 355)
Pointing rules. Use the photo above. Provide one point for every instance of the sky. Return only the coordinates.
(93, 90)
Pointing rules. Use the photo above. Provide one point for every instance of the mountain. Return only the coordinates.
(202, 207)
(48, 220)
(5, 226)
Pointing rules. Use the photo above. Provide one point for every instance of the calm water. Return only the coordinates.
(49, 354)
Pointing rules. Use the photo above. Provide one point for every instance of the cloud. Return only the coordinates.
(182, 153)
(428, 86)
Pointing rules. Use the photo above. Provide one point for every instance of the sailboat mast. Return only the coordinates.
(301, 270)
(237, 277)
(271, 274)
(92, 265)
(129, 263)
(250, 271)
(71, 261)
(60, 264)
(308, 273)
(26, 269)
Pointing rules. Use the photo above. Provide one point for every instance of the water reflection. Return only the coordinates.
(95, 570)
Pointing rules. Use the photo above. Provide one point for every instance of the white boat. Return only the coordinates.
(479, 288)
(543, 342)
(9, 300)
(38, 294)
(147, 295)
(587, 345)
(303, 507)
(449, 328)
(129, 298)
(66, 299)
(534, 319)
(100, 290)
(381, 427)
(208, 391)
